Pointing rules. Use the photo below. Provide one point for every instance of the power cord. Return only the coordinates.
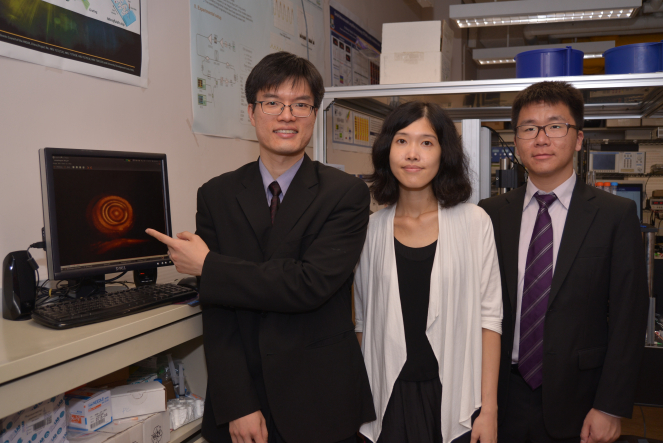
(32, 262)
(505, 146)
(644, 423)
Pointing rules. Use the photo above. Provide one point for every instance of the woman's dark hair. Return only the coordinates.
(550, 93)
(276, 69)
(451, 185)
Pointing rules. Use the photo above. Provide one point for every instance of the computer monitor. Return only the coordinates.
(632, 191)
(97, 205)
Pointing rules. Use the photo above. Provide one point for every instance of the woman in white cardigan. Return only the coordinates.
(427, 289)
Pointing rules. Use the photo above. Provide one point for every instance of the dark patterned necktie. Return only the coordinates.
(538, 278)
(275, 189)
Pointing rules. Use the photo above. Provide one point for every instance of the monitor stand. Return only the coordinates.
(88, 286)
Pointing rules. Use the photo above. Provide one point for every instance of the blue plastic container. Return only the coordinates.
(630, 59)
(554, 62)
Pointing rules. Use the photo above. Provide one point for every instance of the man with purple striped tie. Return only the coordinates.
(573, 285)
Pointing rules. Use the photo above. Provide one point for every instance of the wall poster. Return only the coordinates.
(102, 38)
(354, 131)
(355, 54)
(228, 37)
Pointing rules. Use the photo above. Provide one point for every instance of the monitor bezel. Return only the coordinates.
(55, 271)
(638, 185)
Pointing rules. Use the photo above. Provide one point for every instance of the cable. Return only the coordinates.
(644, 423)
(306, 26)
(33, 264)
(505, 145)
(110, 280)
(647, 181)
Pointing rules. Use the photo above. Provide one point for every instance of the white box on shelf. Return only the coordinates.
(151, 428)
(131, 428)
(88, 409)
(123, 424)
(88, 436)
(414, 67)
(426, 36)
(138, 399)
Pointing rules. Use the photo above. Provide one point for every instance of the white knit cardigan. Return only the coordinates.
(465, 296)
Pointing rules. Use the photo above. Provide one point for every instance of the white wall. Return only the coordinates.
(43, 107)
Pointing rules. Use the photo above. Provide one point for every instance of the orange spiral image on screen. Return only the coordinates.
(112, 215)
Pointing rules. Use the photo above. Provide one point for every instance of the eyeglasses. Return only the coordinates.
(553, 130)
(300, 110)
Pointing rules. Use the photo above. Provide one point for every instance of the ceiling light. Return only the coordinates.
(494, 56)
(526, 12)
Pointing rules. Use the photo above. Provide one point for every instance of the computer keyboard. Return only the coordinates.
(70, 313)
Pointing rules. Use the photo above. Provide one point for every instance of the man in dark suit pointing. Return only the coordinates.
(277, 241)
(573, 285)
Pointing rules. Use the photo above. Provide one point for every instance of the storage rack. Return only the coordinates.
(473, 102)
(37, 363)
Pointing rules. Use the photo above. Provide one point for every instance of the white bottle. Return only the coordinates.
(613, 187)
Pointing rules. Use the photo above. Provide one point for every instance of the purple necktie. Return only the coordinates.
(538, 278)
(275, 189)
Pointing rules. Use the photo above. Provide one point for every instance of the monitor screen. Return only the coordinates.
(604, 161)
(97, 205)
(634, 192)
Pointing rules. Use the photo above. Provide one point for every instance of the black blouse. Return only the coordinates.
(414, 267)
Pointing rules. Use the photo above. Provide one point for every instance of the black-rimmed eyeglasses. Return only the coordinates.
(300, 110)
(553, 130)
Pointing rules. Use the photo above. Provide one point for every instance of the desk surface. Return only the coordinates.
(27, 347)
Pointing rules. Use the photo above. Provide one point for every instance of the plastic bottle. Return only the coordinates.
(613, 187)
(599, 185)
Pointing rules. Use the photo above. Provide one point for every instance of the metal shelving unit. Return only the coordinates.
(473, 102)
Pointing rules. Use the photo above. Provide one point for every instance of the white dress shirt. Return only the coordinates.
(557, 211)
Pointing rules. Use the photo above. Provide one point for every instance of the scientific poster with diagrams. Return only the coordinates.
(102, 38)
(355, 53)
(228, 37)
(354, 131)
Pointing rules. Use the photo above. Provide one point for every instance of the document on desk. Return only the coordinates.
(102, 38)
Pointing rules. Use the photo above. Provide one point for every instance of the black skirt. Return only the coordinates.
(414, 414)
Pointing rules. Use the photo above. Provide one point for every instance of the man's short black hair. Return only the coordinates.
(550, 93)
(280, 67)
(451, 185)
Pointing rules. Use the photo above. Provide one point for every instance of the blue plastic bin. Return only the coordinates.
(631, 59)
(554, 62)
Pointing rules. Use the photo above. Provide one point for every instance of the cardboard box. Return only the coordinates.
(426, 36)
(116, 378)
(128, 432)
(10, 428)
(414, 67)
(88, 409)
(87, 437)
(621, 122)
(652, 122)
(55, 430)
(44, 422)
(138, 399)
(154, 428)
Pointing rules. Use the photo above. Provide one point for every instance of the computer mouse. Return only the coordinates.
(189, 282)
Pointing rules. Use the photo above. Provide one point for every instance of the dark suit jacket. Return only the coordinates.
(595, 324)
(277, 323)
